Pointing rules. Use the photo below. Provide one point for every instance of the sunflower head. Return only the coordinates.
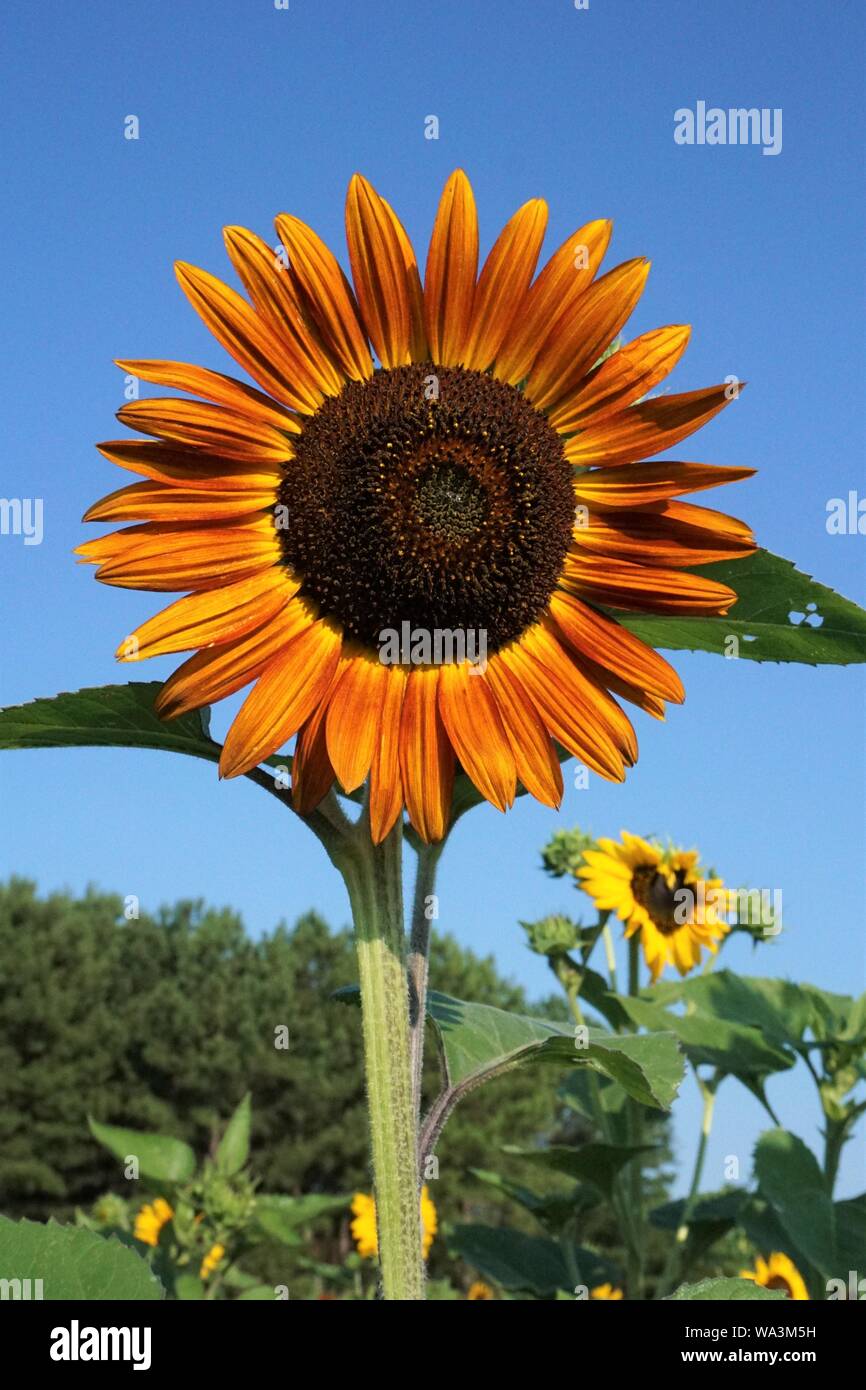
(603, 1291)
(778, 1272)
(151, 1219)
(661, 894)
(406, 535)
(365, 1231)
(479, 1292)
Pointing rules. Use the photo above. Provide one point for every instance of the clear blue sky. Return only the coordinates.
(246, 111)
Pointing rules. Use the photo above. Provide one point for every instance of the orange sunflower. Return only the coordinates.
(458, 460)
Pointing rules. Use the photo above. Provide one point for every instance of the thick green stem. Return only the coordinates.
(373, 875)
(419, 952)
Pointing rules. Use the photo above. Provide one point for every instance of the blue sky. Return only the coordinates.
(246, 111)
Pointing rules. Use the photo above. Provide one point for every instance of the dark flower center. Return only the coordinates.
(431, 495)
(652, 890)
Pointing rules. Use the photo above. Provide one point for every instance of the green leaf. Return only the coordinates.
(733, 1047)
(234, 1147)
(108, 716)
(780, 615)
(161, 1159)
(527, 1263)
(792, 1182)
(715, 1209)
(282, 1217)
(74, 1263)
(189, 1288)
(551, 1209)
(479, 1041)
(727, 1290)
(259, 1293)
(850, 1217)
(592, 1163)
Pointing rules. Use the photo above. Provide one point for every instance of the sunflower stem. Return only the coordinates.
(674, 1268)
(419, 960)
(373, 877)
(635, 1134)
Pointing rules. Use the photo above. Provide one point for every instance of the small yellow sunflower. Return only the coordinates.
(605, 1291)
(151, 1219)
(211, 1260)
(643, 884)
(365, 1233)
(778, 1272)
(479, 1291)
(404, 537)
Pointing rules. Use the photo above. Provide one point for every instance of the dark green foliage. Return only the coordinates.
(163, 1023)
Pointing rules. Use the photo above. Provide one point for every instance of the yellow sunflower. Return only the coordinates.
(479, 1292)
(364, 1230)
(643, 884)
(606, 1291)
(778, 1272)
(213, 1257)
(404, 540)
(151, 1219)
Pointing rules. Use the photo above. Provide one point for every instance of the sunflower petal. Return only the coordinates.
(386, 785)
(190, 468)
(353, 717)
(379, 272)
(452, 264)
(633, 484)
(161, 502)
(503, 282)
(218, 672)
(169, 556)
(578, 338)
(418, 348)
(426, 757)
(212, 617)
(284, 696)
(268, 283)
(537, 766)
(644, 588)
(248, 338)
(644, 430)
(566, 276)
(604, 641)
(326, 296)
(622, 379)
(471, 717)
(215, 428)
(212, 386)
(666, 534)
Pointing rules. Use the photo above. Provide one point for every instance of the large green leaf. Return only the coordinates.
(733, 1047)
(108, 716)
(551, 1209)
(161, 1158)
(528, 1264)
(479, 1040)
(723, 1290)
(234, 1147)
(73, 1263)
(780, 615)
(715, 1209)
(791, 1180)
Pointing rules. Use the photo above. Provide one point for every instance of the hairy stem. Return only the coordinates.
(373, 875)
(419, 960)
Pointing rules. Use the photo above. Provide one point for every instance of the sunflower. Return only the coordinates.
(365, 1233)
(778, 1272)
(643, 884)
(606, 1291)
(406, 535)
(151, 1219)
(211, 1260)
(479, 1292)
